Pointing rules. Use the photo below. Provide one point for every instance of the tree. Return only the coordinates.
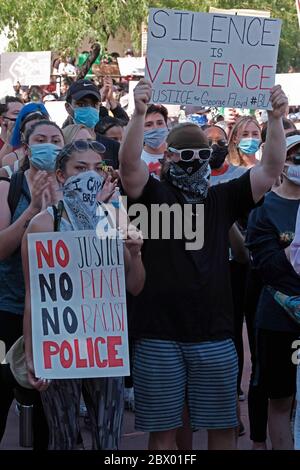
(61, 25)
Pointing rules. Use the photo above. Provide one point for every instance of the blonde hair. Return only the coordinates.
(234, 155)
(71, 131)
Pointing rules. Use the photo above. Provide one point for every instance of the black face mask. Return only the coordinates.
(189, 167)
(218, 156)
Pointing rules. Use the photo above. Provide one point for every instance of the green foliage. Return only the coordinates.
(61, 25)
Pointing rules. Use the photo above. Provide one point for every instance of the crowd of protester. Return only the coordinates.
(186, 308)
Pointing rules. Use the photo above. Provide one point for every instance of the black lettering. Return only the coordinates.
(159, 24)
(232, 23)
(249, 26)
(51, 289)
(215, 29)
(98, 263)
(81, 253)
(47, 320)
(70, 320)
(87, 252)
(192, 29)
(181, 13)
(266, 32)
(65, 292)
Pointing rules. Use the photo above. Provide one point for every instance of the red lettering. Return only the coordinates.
(80, 363)
(246, 77)
(99, 352)
(157, 71)
(171, 72)
(199, 76)
(50, 348)
(180, 71)
(63, 262)
(263, 77)
(47, 254)
(99, 363)
(240, 82)
(217, 74)
(90, 350)
(112, 342)
(66, 362)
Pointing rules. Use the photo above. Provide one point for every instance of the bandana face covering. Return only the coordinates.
(192, 178)
(80, 199)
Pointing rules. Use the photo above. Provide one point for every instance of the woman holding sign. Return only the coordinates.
(79, 170)
(30, 190)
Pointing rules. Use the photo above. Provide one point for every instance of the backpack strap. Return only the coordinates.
(57, 215)
(16, 190)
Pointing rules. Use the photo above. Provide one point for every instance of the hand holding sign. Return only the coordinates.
(279, 102)
(142, 95)
(39, 384)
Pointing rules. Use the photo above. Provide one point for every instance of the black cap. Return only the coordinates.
(82, 88)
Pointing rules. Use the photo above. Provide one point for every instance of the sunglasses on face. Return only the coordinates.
(220, 143)
(187, 155)
(81, 146)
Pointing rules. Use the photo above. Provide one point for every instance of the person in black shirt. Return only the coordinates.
(181, 322)
(271, 230)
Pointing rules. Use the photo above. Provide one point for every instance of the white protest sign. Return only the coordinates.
(57, 111)
(29, 68)
(208, 59)
(78, 305)
(290, 85)
(131, 66)
(6, 88)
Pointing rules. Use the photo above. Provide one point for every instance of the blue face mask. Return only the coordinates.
(43, 156)
(249, 146)
(87, 116)
(154, 138)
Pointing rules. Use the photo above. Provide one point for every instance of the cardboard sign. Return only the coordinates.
(29, 68)
(6, 88)
(78, 305)
(130, 66)
(205, 59)
(57, 111)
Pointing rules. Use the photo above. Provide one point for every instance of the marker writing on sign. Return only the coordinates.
(222, 29)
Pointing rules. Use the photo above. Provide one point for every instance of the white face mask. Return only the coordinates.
(80, 199)
(293, 174)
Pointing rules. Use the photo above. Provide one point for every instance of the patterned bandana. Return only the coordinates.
(80, 199)
(194, 185)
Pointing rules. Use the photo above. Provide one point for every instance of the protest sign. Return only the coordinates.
(6, 88)
(57, 111)
(78, 305)
(206, 59)
(290, 84)
(29, 68)
(131, 66)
